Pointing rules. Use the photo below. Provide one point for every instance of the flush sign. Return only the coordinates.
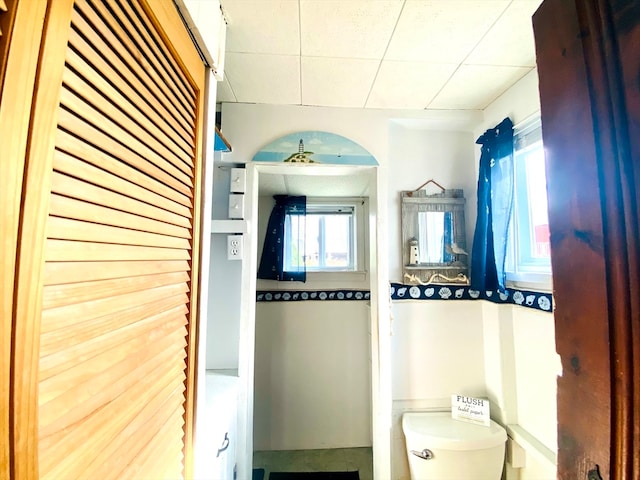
(470, 409)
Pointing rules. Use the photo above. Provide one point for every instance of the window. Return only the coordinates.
(327, 238)
(528, 254)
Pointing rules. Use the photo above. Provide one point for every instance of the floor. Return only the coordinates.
(330, 460)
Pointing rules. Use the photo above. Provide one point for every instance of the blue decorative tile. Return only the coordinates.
(538, 300)
(299, 295)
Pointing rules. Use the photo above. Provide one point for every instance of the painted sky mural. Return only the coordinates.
(315, 147)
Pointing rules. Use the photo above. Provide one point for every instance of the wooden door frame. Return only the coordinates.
(593, 172)
(18, 82)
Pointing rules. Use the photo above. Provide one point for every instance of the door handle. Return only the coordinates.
(594, 474)
(225, 444)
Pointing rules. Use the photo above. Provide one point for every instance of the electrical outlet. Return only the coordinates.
(234, 247)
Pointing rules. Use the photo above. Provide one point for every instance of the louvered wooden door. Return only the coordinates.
(106, 291)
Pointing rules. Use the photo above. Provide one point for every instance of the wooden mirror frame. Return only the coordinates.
(449, 200)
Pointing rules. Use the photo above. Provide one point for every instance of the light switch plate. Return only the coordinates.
(238, 181)
(236, 205)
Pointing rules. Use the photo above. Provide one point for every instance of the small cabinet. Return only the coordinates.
(216, 437)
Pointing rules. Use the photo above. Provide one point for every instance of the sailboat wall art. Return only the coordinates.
(315, 147)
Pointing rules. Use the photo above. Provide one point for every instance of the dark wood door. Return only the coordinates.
(588, 55)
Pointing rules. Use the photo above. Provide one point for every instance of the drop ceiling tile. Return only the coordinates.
(337, 82)
(347, 28)
(408, 84)
(510, 41)
(259, 26)
(473, 87)
(224, 92)
(442, 31)
(271, 79)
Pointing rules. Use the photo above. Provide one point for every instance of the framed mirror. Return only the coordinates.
(434, 246)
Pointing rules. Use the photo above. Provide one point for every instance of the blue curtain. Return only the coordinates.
(447, 240)
(272, 263)
(495, 200)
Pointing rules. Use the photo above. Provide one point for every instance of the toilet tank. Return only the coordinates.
(454, 449)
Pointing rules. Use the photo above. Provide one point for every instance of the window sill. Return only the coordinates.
(359, 279)
(537, 282)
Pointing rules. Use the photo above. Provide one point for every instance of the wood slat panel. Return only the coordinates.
(79, 210)
(178, 75)
(182, 161)
(62, 359)
(95, 170)
(179, 54)
(62, 317)
(174, 76)
(70, 251)
(75, 188)
(75, 125)
(138, 129)
(163, 446)
(138, 35)
(79, 401)
(169, 469)
(133, 72)
(79, 332)
(57, 273)
(131, 103)
(135, 56)
(173, 36)
(178, 45)
(126, 368)
(101, 431)
(116, 72)
(171, 376)
(95, 119)
(109, 461)
(67, 229)
(76, 374)
(54, 296)
(101, 427)
(101, 74)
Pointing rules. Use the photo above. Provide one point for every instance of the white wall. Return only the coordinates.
(417, 155)
(312, 375)
(521, 364)
(503, 352)
(249, 127)
(404, 146)
(223, 332)
(223, 327)
(437, 351)
(537, 366)
(312, 384)
(518, 103)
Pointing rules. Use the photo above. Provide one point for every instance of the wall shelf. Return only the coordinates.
(439, 267)
(228, 226)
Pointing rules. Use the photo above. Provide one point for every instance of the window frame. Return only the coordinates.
(358, 236)
(524, 271)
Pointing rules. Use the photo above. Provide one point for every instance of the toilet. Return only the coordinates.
(441, 448)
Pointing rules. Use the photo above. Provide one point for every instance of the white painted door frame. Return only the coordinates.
(380, 313)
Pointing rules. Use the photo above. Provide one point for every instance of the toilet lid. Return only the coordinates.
(439, 430)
